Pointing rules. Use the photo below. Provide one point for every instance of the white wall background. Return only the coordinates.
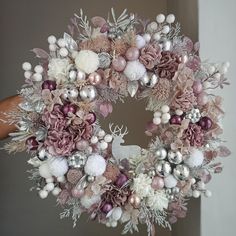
(217, 33)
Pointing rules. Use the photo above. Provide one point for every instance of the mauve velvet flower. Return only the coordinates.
(150, 55)
(194, 135)
(168, 65)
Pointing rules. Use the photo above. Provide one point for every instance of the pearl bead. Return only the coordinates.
(196, 194)
(27, 74)
(49, 187)
(156, 120)
(103, 145)
(108, 138)
(201, 185)
(37, 77)
(170, 19)
(52, 39)
(61, 42)
(119, 63)
(165, 29)
(153, 26)
(217, 75)
(94, 78)
(52, 47)
(202, 99)
(121, 180)
(38, 69)
(43, 194)
(61, 179)
(26, 66)
(147, 38)
(63, 52)
(140, 41)
(160, 18)
(132, 54)
(113, 224)
(179, 112)
(157, 183)
(165, 108)
(156, 36)
(192, 181)
(56, 191)
(94, 139)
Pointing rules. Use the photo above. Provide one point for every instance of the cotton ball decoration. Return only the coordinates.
(87, 201)
(170, 181)
(134, 70)
(44, 171)
(140, 41)
(196, 158)
(116, 213)
(58, 166)
(87, 61)
(95, 165)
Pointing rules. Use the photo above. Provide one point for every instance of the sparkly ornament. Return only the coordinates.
(49, 84)
(70, 93)
(74, 175)
(149, 80)
(90, 178)
(175, 157)
(95, 165)
(81, 75)
(104, 60)
(77, 160)
(132, 54)
(181, 172)
(161, 153)
(88, 93)
(151, 173)
(194, 115)
(121, 180)
(119, 63)
(134, 200)
(72, 75)
(94, 78)
(163, 168)
(205, 123)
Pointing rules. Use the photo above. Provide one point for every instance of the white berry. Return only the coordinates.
(52, 47)
(37, 77)
(113, 224)
(156, 36)
(217, 75)
(63, 52)
(157, 114)
(201, 185)
(153, 26)
(165, 116)
(52, 39)
(94, 139)
(147, 37)
(56, 191)
(208, 193)
(165, 108)
(61, 42)
(156, 120)
(49, 187)
(49, 180)
(38, 69)
(103, 145)
(192, 180)
(61, 179)
(170, 19)
(160, 18)
(211, 69)
(27, 74)
(101, 133)
(108, 138)
(179, 112)
(196, 194)
(166, 29)
(26, 66)
(43, 194)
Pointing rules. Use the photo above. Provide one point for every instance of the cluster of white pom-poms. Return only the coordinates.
(101, 140)
(162, 116)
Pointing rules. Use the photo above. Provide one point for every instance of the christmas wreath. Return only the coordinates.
(89, 69)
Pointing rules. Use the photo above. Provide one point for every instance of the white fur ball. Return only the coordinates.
(44, 171)
(116, 213)
(140, 41)
(196, 158)
(95, 165)
(87, 61)
(58, 166)
(170, 181)
(87, 201)
(134, 70)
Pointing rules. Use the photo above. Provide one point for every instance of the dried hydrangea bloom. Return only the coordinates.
(74, 175)
(119, 46)
(162, 90)
(112, 172)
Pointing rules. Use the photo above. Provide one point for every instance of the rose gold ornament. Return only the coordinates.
(134, 200)
(77, 192)
(94, 78)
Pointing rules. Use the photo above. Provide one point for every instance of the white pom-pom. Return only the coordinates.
(52, 39)
(87, 61)
(56, 191)
(170, 181)
(44, 171)
(43, 194)
(116, 213)
(95, 165)
(196, 194)
(49, 187)
(140, 41)
(196, 158)
(26, 66)
(134, 70)
(58, 166)
(87, 201)
(160, 18)
(170, 19)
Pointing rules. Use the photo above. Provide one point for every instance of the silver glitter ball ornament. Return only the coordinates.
(39, 107)
(149, 80)
(151, 173)
(181, 172)
(175, 157)
(70, 93)
(175, 190)
(163, 168)
(90, 178)
(194, 115)
(81, 75)
(88, 93)
(161, 153)
(166, 45)
(104, 60)
(77, 160)
(72, 75)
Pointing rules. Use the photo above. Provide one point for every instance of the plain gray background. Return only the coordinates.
(26, 24)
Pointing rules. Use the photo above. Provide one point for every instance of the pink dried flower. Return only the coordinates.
(194, 135)
(168, 65)
(150, 55)
(162, 90)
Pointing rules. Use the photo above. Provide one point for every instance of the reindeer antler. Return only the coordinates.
(117, 131)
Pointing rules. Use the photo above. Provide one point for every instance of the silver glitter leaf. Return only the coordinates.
(70, 42)
(132, 88)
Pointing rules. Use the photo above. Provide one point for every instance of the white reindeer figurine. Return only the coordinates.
(122, 152)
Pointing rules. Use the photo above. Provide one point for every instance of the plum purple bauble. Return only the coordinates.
(119, 63)
(176, 120)
(32, 143)
(107, 207)
(49, 84)
(205, 123)
(132, 54)
(157, 183)
(121, 180)
(68, 108)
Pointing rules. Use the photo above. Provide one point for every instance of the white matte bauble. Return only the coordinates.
(44, 171)
(58, 166)
(134, 70)
(140, 42)
(195, 159)
(170, 181)
(95, 165)
(88, 93)
(87, 61)
(70, 93)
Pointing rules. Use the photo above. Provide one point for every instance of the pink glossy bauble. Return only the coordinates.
(106, 208)
(77, 193)
(197, 87)
(157, 183)
(82, 145)
(32, 143)
(205, 123)
(132, 54)
(94, 78)
(49, 84)
(176, 120)
(68, 108)
(121, 180)
(119, 63)
(202, 99)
